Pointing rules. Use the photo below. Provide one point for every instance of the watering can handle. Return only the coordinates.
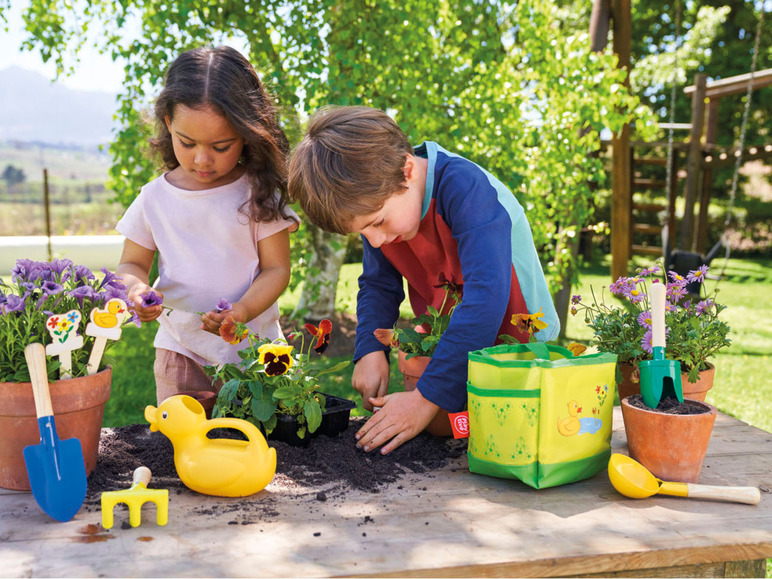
(657, 294)
(746, 495)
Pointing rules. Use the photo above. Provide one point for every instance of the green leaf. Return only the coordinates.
(263, 407)
(313, 414)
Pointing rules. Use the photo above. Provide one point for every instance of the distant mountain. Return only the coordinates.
(32, 108)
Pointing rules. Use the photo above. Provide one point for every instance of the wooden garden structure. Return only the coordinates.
(702, 154)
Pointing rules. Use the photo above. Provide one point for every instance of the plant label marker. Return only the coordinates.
(63, 329)
(105, 325)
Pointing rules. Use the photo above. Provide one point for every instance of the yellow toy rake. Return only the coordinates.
(135, 497)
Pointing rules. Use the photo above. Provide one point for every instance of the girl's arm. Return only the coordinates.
(134, 269)
(274, 252)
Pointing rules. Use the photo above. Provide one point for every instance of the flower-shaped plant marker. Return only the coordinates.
(105, 325)
(63, 329)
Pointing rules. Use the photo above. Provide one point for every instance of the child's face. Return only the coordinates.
(400, 216)
(207, 147)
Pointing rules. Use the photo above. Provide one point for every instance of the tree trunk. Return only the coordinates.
(317, 300)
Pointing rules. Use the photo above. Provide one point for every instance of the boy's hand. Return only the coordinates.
(149, 313)
(212, 320)
(371, 377)
(402, 416)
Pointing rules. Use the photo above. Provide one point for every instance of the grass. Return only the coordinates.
(743, 387)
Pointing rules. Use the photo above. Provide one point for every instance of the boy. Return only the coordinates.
(428, 215)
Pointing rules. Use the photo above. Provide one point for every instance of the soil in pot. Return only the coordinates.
(672, 442)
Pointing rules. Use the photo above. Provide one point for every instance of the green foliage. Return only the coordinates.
(273, 378)
(501, 84)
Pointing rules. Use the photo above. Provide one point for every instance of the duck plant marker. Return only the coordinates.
(105, 325)
(56, 469)
(63, 329)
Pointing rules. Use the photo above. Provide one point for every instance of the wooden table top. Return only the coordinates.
(446, 523)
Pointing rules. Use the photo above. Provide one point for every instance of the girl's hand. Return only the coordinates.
(402, 416)
(212, 320)
(371, 377)
(146, 314)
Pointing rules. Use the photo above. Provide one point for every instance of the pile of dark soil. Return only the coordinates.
(327, 466)
(670, 405)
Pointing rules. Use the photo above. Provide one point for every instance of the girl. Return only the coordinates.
(218, 217)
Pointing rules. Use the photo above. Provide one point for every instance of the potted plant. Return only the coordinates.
(276, 386)
(416, 344)
(51, 303)
(672, 439)
(694, 331)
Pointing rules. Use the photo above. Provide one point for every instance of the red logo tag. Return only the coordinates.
(459, 422)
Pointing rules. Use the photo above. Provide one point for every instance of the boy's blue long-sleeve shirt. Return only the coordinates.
(473, 231)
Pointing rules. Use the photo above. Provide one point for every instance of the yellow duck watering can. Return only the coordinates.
(213, 466)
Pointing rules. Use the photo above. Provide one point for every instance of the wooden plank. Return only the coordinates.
(621, 174)
(693, 163)
(717, 89)
(446, 523)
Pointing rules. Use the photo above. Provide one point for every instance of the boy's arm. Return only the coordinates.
(380, 294)
(490, 228)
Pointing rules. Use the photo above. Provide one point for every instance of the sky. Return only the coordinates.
(95, 72)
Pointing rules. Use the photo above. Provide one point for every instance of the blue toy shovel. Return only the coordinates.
(660, 378)
(56, 469)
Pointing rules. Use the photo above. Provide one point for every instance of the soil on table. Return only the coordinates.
(328, 469)
(670, 405)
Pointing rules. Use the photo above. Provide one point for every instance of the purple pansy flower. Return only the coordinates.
(697, 275)
(223, 305)
(151, 299)
(677, 278)
(84, 292)
(13, 303)
(111, 280)
(702, 307)
(646, 342)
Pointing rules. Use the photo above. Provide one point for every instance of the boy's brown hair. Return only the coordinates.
(349, 162)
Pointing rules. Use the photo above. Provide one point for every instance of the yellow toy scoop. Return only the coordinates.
(135, 497)
(631, 479)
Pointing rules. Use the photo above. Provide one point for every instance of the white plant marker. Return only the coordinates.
(105, 325)
(63, 329)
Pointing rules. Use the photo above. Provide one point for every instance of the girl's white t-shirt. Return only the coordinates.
(207, 250)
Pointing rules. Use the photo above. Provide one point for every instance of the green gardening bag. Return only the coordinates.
(539, 414)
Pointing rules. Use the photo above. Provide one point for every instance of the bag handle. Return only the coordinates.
(539, 349)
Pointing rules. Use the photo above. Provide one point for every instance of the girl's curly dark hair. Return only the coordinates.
(222, 78)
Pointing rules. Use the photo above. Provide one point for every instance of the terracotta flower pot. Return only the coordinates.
(671, 446)
(412, 369)
(631, 384)
(699, 389)
(78, 404)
